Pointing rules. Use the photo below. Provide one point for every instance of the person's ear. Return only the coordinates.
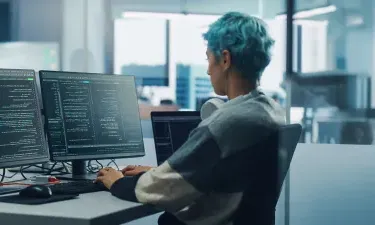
(226, 59)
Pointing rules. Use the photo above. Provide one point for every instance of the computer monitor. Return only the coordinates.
(171, 130)
(90, 117)
(22, 140)
(45, 167)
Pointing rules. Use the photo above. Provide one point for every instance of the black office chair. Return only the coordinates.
(266, 166)
(267, 169)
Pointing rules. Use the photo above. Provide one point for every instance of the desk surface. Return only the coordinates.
(89, 209)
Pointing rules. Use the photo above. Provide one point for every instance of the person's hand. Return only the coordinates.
(134, 170)
(108, 176)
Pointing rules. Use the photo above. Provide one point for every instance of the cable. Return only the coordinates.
(21, 172)
(65, 165)
(51, 169)
(2, 176)
(101, 165)
(93, 168)
(39, 167)
(113, 161)
(10, 177)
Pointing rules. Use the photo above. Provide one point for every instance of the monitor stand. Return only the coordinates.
(79, 172)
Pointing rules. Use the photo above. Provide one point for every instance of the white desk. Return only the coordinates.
(89, 209)
(99, 208)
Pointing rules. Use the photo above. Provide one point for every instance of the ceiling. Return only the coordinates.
(191, 6)
(264, 8)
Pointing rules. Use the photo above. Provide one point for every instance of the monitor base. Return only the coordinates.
(79, 172)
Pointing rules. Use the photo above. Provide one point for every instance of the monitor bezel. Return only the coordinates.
(86, 157)
(174, 113)
(37, 160)
(171, 114)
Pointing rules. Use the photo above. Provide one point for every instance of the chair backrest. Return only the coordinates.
(273, 160)
(289, 136)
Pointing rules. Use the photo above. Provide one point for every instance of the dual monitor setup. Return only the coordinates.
(75, 117)
(67, 117)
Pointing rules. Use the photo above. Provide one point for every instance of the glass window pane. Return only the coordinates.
(331, 175)
(333, 55)
(313, 46)
(141, 49)
(188, 59)
(273, 74)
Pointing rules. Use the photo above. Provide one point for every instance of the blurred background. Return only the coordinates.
(160, 43)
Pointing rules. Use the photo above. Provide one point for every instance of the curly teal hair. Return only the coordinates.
(246, 38)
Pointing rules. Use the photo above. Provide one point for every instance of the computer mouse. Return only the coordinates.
(36, 191)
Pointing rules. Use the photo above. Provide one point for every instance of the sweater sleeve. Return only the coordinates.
(180, 180)
(217, 157)
(124, 188)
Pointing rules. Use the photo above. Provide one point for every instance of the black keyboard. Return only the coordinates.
(77, 187)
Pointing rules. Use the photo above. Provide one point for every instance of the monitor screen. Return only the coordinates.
(22, 140)
(171, 130)
(91, 116)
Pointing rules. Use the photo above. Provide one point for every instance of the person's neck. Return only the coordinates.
(238, 86)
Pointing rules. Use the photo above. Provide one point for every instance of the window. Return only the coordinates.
(141, 50)
(314, 46)
(188, 59)
(273, 74)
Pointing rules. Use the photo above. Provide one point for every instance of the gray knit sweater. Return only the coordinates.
(189, 184)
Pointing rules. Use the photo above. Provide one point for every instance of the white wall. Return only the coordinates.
(37, 20)
(83, 38)
(63, 21)
(356, 45)
(360, 48)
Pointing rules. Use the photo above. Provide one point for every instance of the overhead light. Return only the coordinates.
(311, 22)
(355, 20)
(151, 15)
(169, 16)
(311, 12)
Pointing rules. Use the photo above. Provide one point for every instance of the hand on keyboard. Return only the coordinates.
(108, 176)
(135, 170)
(77, 187)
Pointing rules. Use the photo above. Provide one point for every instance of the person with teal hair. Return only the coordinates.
(238, 51)
(206, 180)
